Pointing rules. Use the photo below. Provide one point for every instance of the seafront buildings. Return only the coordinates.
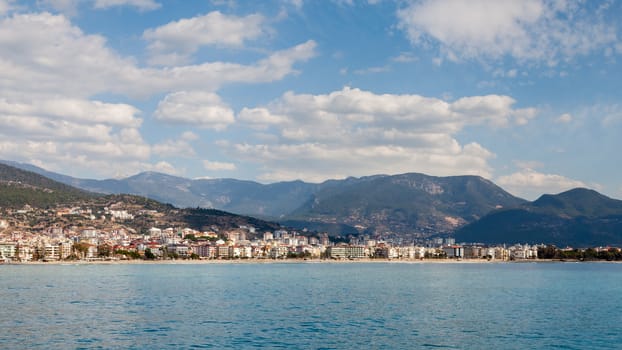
(37, 235)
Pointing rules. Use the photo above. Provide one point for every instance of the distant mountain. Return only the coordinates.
(405, 203)
(579, 217)
(20, 187)
(408, 203)
(237, 196)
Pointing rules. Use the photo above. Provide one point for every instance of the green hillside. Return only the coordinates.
(579, 217)
(19, 187)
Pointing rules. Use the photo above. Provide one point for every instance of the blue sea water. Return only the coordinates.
(312, 306)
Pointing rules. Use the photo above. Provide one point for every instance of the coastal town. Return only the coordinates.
(121, 232)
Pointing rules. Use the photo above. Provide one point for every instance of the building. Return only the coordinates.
(386, 252)
(180, 250)
(279, 251)
(51, 252)
(7, 251)
(222, 252)
(337, 252)
(121, 215)
(455, 251)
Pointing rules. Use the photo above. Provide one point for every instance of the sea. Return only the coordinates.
(312, 306)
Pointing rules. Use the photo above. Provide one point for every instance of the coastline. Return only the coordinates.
(295, 261)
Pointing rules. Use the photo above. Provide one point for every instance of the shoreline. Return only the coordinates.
(296, 261)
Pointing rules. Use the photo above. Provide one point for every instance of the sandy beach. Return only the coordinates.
(274, 261)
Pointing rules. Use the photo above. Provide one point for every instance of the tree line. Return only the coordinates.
(589, 254)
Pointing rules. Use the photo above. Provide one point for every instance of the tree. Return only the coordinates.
(548, 252)
(103, 250)
(590, 254)
(80, 249)
(149, 255)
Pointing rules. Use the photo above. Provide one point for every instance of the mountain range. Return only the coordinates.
(404, 204)
(411, 205)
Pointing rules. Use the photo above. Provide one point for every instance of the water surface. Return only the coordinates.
(312, 306)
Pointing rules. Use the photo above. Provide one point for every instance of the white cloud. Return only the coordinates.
(175, 42)
(204, 109)
(50, 71)
(189, 136)
(114, 158)
(355, 132)
(564, 118)
(166, 167)
(528, 31)
(69, 109)
(494, 109)
(260, 117)
(296, 3)
(218, 166)
(174, 148)
(143, 5)
(47, 49)
(405, 57)
(66, 7)
(530, 184)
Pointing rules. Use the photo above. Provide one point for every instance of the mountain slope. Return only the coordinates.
(579, 217)
(19, 187)
(406, 203)
(241, 197)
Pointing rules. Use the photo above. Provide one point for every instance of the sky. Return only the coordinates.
(524, 93)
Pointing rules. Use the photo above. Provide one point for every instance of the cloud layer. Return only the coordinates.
(535, 31)
(50, 71)
(356, 132)
(175, 42)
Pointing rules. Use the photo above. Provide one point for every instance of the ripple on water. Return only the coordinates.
(320, 306)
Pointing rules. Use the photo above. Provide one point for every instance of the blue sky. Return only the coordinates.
(524, 93)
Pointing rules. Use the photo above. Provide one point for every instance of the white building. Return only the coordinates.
(121, 215)
(7, 251)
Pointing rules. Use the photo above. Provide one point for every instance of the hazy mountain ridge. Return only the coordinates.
(578, 217)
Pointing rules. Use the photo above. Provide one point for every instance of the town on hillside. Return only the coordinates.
(122, 231)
